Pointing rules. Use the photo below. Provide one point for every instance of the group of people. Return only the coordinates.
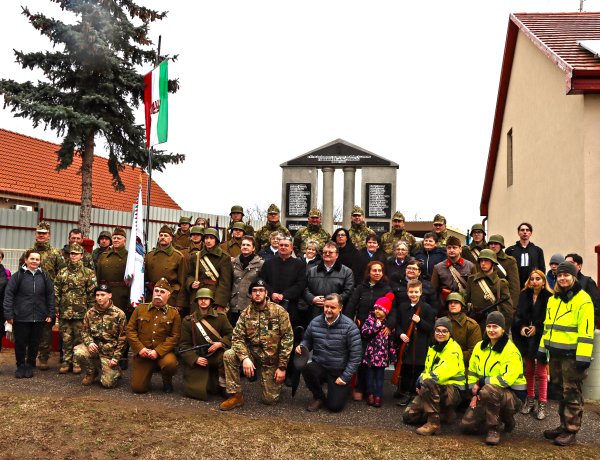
(476, 323)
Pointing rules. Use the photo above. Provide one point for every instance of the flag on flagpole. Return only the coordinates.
(156, 104)
(134, 270)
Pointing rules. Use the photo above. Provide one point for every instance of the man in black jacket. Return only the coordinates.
(528, 255)
(587, 284)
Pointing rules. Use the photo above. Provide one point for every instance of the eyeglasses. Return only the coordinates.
(437, 225)
(442, 331)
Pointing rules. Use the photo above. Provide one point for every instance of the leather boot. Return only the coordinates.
(43, 365)
(492, 438)
(553, 433)
(236, 400)
(566, 438)
(64, 368)
(314, 405)
(88, 379)
(431, 427)
(76, 369)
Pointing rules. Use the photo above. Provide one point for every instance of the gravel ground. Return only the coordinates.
(289, 409)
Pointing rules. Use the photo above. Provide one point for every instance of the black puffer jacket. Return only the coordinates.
(528, 314)
(364, 297)
(29, 297)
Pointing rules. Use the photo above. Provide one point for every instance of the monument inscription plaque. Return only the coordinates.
(378, 198)
(298, 199)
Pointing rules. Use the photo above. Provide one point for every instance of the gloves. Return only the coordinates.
(542, 357)
(581, 366)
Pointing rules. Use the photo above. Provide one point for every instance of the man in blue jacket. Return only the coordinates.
(337, 351)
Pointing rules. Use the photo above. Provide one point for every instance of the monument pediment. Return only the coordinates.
(339, 153)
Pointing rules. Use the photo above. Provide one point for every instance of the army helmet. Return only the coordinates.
(197, 230)
(258, 282)
(488, 254)
(456, 297)
(185, 220)
(212, 232)
(104, 234)
(204, 293)
(236, 208)
(238, 226)
(476, 227)
(499, 239)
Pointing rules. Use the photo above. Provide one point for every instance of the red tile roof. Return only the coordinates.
(556, 36)
(28, 170)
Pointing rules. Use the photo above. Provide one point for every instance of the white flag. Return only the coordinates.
(134, 271)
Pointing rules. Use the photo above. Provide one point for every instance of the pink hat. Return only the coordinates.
(385, 303)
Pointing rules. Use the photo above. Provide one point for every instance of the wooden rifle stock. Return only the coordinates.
(411, 327)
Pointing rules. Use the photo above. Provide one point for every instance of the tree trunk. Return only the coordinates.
(87, 159)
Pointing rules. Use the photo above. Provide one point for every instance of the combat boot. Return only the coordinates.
(43, 365)
(431, 427)
(541, 412)
(528, 406)
(492, 438)
(566, 438)
(553, 433)
(237, 400)
(89, 379)
(64, 369)
(76, 369)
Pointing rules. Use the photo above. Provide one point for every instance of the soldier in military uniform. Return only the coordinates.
(76, 236)
(104, 240)
(103, 337)
(196, 234)
(262, 343)
(273, 224)
(203, 370)
(153, 332)
(313, 231)
(73, 295)
(472, 250)
(398, 233)
(181, 239)
(439, 227)
(211, 268)
(358, 229)
(507, 267)
(232, 247)
(237, 215)
(167, 262)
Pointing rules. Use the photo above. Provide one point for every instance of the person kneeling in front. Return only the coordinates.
(337, 352)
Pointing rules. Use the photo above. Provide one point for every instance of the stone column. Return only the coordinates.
(349, 185)
(327, 220)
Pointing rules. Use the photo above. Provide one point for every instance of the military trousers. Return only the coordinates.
(97, 364)
(495, 405)
(433, 399)
(198, 381)
(266, 374)
(70, 331)
(141, 372)
(46, 342)
(569, 382)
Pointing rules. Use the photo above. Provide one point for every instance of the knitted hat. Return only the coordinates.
(567, 267)
(556, 259)
(385, 303)
(444, 321)
(496, 318)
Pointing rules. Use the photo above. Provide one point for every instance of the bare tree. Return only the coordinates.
(256, 213)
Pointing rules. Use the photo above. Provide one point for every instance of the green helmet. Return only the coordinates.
(239, 226)
(204, 293)
(104, 234)
(196, 230)
(236, 208)
(455, 296)
(497, 239)
(488, 254)
(212, 232)
(185, 220)
(477, 227)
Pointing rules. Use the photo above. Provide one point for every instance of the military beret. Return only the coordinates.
(197, 230)
(43, 227)
(477, 227)
(314, 212)
(273, 209)
(497, 239)
(103, 234)
(453, 241)
(75, 248)
(118, 231)
(103, 287)
(236, 208)
(357, 210)
(439, 219)
(259, 282)
(185, 220)
(398, 216)
(166, 229)
(163, 284)
(238, 226)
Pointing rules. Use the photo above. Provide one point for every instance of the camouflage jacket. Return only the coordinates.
(310, 232)
(389, 239)
(358, 235)
(88, 260)
(74, 291)
(262, 235)
(265, 332)
(105, 328)
(52, 259)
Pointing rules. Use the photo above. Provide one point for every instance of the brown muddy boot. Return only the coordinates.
(76, 369)
(431, 427)
(553, 433)
(566, 438)
(492, 438)
(88, 379)
(236, 400)
(43, 365)
(64, 369)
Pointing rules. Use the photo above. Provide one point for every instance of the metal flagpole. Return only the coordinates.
(156, 62)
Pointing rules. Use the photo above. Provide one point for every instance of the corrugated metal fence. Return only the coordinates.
(17, 227)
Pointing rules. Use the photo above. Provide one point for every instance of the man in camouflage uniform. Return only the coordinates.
(273, 224)
(471, 251)
(439, 227)
(104, 240)
(103, 337)
(76, 236)
(181, 239)
(237, 215)
(358, 229)
(313, 231)
(73, 295)
(233, 246)
(398, 233)
(262, 343)
(52, 262)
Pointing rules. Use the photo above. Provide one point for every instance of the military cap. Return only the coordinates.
(444, 321)
(204, 293)
(75, 248)
(496, 318)
(103, 234)
(314, 212)
(273, 209)
(166, 229)
(185, 220)
(453, 241)
(477, 227)
(398, 216)
(196, 230)
(456, 297)
(357, 210)
(163, 284)
(439, 219)
(488, 254)
(212, 232)
(236, 208)
(567, 267)
(497, 239)
(258, 282)
(238, 226)
(118, 231)
(103, 287)
(43, 227)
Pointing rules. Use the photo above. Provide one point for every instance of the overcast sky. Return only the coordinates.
(265, 81)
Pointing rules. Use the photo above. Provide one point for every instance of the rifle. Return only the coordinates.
(201, 350)
(398, 368)
(479, 313)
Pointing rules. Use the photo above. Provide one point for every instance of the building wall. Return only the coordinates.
(550, 133)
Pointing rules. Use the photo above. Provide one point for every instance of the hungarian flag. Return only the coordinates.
(157, 105)
(134, 270)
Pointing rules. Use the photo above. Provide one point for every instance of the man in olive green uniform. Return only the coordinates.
(103, 340)
(507, 268)
(313, 231)
(273, 225)
(212, 269)
(203, 370)
(358, 229)
(237, 215)
(485, 288)
(471, 251)
(262, 343)
(167, 262)
(232, 247)
(153, 332)
(465, 330)
(104, 241)
(111, 270)
(398, 233)
(181, 239)
(74, 294)
(196, 234)
(52, 262)
(76, 236)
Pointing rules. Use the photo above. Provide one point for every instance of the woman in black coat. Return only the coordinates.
(348, 254)
(372, 252)
(396, 266)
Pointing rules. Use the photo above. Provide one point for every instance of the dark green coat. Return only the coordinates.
(499, 287)
(111, 269)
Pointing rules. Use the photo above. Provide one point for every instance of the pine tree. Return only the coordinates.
(93, 86)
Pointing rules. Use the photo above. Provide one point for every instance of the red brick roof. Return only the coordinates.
(28, 170)
(556, 36)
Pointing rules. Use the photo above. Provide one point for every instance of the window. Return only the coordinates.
(509, 158)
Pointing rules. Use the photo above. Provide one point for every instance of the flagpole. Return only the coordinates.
(147, 236)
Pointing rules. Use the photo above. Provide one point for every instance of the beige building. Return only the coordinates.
(544, 159)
